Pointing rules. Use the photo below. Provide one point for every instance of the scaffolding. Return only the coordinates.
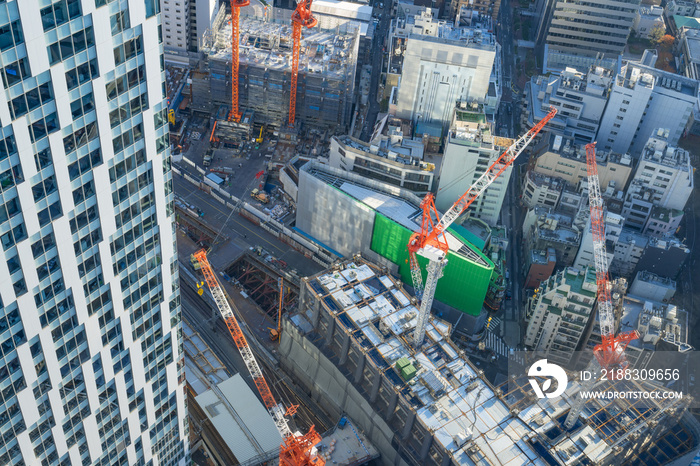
(327, 66)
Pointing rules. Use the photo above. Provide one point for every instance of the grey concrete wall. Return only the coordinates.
(332, 217)
(334, 393)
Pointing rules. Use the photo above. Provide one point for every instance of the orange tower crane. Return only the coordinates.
(431, 243)
(301, 17)
(296, 450)
(610, 354)
(236, 5)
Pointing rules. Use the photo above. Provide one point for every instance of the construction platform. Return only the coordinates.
(327, 64)
(349, 344)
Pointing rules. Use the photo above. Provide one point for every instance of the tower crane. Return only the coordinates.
(301, 17)
(610, 353)
(296, 450)
(430, 241)
(236, 6)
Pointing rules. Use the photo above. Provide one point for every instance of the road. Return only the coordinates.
(508, 112)
(242, 233)
(377, 63)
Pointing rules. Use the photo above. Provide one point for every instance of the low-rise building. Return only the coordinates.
(648, 285)
(689, 53)
(544, 228)
(585, 256)
(663, 178)
(562, 157)
(680, 8)
(540, 265)
(648, 17)
(558, 314)
(396, 160)
(469, 151)
(629, 247)
(578, 97)
(663, 256)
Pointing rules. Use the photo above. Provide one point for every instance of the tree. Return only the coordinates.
(667, 41)
(657, 33)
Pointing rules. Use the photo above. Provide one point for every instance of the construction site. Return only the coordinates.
(326, 73)
(349, 344)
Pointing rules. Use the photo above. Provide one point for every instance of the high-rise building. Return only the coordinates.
(185, 22)
(89, 301)
(581, 33)
(470, 149)
(559, 313)
(441, 63)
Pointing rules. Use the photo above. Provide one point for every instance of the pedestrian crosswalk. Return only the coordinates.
(493, 341)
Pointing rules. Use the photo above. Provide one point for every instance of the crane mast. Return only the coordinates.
(430, 241)
(296, 450)
(300, 17)
(235, 114)
(611, 352)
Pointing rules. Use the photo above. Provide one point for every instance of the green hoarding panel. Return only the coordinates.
(464, 283)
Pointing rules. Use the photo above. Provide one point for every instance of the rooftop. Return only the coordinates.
(542, 257)
(403, 152)
(659, 151)
(475, 422)
(424, 26)
(636, 74)
(568, 148)
(655, 322)
(269, 45)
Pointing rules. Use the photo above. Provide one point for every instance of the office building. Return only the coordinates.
(579, 98)
(390, 157)
(89, 298)
(470, 150)
(648, 285)
(613, 228)
(184, 24)
(558, 314)
(680, 8)
(544, 228)
(562, 157)
(660, 188)
(581, 33)
(643, 99)
(439, 64)
(481, 7)
(540, 265)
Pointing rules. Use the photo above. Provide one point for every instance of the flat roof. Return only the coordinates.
(242, 421)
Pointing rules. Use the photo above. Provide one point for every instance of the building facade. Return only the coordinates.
(578, 97)
(643, 99)
(440, 64)
(648, 18)
(689, 53)
(185, 22)
(470, 150)
(89, 302)
(558, 314)
(580, 33)
(663, 179)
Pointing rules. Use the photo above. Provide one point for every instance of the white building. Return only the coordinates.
(641, 100)
(681, 8)
(470, 149)
(663, 178)
(648, 18)
(185, 22)
(558, 314)
(391, 159)
(440, 64)
(89, 296)
(578, 97)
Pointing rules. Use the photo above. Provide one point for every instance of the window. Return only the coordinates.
(81, 74)
(43, 127)
(11, 35)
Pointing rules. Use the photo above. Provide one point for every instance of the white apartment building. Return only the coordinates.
(185, 22)
(663, 178)
(682, 8)
(470, 149)
(92, 367)
(440, 64)
(613, 228)
(579, 98)
(641, 100)
(559, 312)
(647, 19)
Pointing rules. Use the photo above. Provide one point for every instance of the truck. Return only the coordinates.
(208, 157)
(260, 195)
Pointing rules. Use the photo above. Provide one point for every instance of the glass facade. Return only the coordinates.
(91, 368)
